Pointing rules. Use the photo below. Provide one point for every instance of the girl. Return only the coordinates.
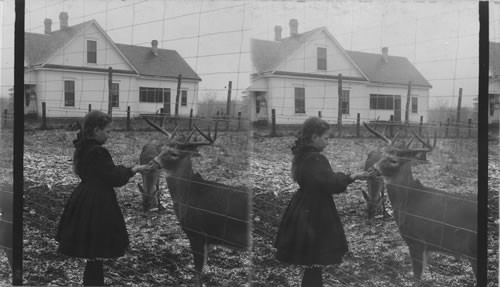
(92, 224)
(310, 232)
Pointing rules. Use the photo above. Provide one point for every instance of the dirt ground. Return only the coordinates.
(159, 253)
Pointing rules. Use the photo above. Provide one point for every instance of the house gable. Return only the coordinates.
(73, 52)
(305, 58)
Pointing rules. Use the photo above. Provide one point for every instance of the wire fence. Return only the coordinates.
(212, 42)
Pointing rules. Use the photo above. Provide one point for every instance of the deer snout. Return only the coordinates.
(375, 169)
(157, 162)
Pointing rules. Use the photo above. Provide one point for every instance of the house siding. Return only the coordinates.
(323, 96)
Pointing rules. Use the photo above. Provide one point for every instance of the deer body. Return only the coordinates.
(428, 219)
(209, 213)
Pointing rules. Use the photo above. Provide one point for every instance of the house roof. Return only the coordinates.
(168, 63)
(397, 70)
(268, 55)
(40, 47)
(495, 59)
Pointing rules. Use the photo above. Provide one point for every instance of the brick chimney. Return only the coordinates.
(48, 25)
(63, 20)
(294, 27)
(385, 54)
(277, 33)
(154, 47)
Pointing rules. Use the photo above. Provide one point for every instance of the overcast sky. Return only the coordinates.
(439, 37)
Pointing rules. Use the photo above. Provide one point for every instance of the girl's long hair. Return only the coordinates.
(312, 126)
(91, 121)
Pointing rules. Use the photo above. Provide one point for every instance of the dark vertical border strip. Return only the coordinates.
(482, 181)
(17, 261)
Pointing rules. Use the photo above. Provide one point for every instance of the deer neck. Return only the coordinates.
(179, 179)
(398, 185)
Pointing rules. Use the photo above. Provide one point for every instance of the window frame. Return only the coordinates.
(91, 52)
(345, 94)
(414, 104)
(153, 95)
(184, 95)
(300, 101)
(115, 95)
(382, 102)
(321, 56)
(68, 102)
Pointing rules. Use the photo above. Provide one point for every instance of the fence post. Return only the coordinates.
(239, 120)
(273, 117)
(446, 128)
(407, 110)
(470, 127)
(420, 127)
(128, 118)
(358, 120)
(339, 116)
(177, 96)
(190, 118)
(44, 116)
(391, 120)
(459, 106)
(228, 104)
(110, 92)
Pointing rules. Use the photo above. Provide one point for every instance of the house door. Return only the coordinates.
(260, 107)
(397, 108)
(166, 102)
(30, 100)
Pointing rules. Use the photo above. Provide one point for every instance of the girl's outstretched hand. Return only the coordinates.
(364, 175)
(145, 168)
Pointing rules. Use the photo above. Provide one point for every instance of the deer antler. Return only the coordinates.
(207, 137)
(426, 144)
(379, 135)
(158, 128)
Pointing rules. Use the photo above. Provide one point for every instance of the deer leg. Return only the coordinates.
(419, 260)
(160, 207)
(199, 250)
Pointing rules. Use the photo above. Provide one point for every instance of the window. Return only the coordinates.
(321, 59)
(69, 93)
(300, 100)
(115, 95)
(344, 102)
(184, 98)
(381, 102)
(414, 105)
(153, 95)
(91, 52)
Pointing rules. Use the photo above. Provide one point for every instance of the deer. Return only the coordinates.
(429, 220)
(209, 213)
(375, 197)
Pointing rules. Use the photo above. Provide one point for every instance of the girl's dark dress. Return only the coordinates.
(311, 232)
(92, 224)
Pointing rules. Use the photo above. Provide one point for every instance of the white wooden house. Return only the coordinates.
(68, 70)
(298, 76)
(494, 84)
